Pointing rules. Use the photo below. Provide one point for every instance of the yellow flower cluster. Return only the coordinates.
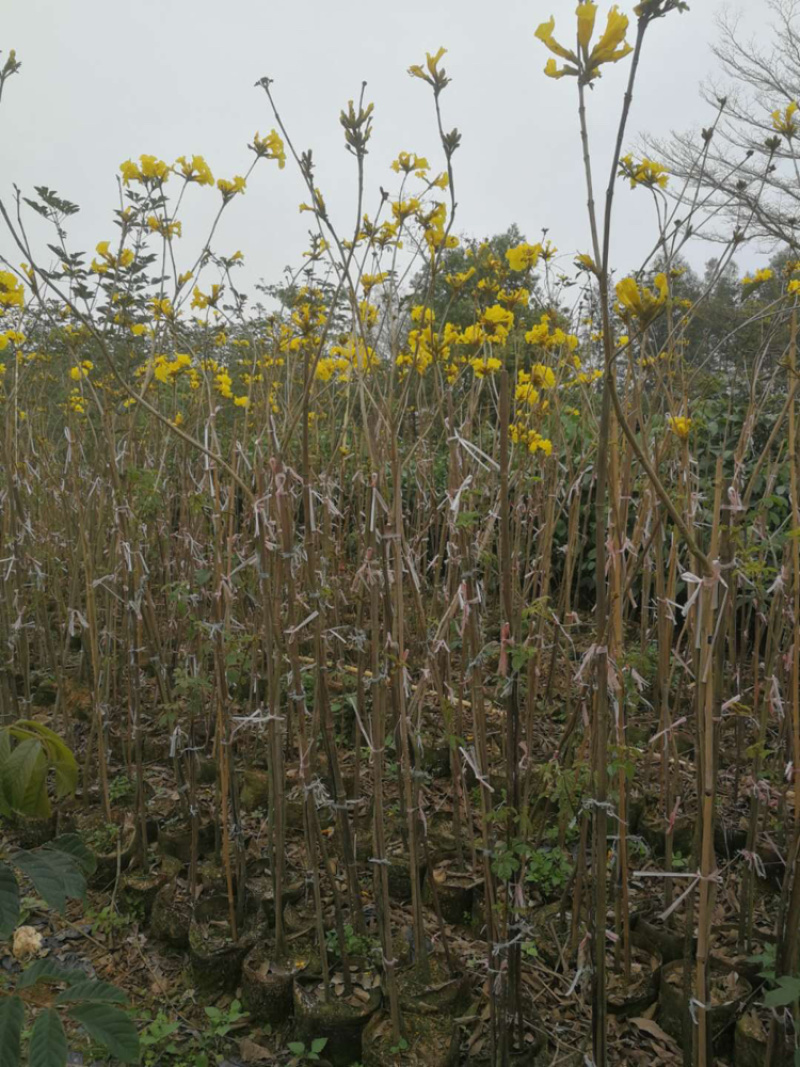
(164, 227)
(435, 229)
(459, 280)
(229, 189)
(481, 366)
(11, 291)
(81, 370)
(203, 300)
(166, 370)
(76, 402)
(344, 358)
(585, 62)
(369, 281)
(194, 170)
(426, 345)
(13, 337)
(270, 147)
(408, 161)
(644, 172)
(642, 303)
(149, 171)
(783, 122)
(162, 308)
(514, 297)
(431, 73)
(680, 425)
(524, 256)
(758, 277)
(523, 435)
(108, 261)
(542, 335)
(224, 383)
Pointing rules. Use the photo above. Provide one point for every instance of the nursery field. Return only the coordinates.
(401, 666)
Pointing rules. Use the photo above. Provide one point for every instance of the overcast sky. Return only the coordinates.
(103, 81)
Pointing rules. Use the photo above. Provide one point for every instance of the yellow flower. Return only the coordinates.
(202, 300)
(611, 46)
(165, 228)
(369, 281)
(524, 256)
(270, 147)
(526, 393)
(609, 49)
(514, 297)
(459, 280)
(483, 366)
(403, 208)
(435, 77)
(153, 169)
(760, 276)
(108, 261)
(150, 169)
(81, 370)
(423, 314)
(586, 15)
(11, 291)
(645, 172)
(542, 376)
(241, 401)
(196, 170)
(680, 425)
(496, 322)
(783, 121)
(537, 443)
(162, 308)
(408, 161)
(585, 262)
(229, 189)
(544, 33)
(130, 172)
(642, 303)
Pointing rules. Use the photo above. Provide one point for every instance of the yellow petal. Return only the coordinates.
(586, 15)
(614, 35)
(544, 33)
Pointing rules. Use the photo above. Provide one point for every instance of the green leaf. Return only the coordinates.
(48, 1045)
(9, 902)
(55, 874)
(74, 846)
(111, 1027)
(92, 989)
(318, 1044)
(25, 779)
(297, 1047)
(49, 971)
(59, 755)
(5, 752)
(788, 990)
(12, 1016)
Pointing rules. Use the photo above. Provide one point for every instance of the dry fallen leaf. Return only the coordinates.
(653, 1029)
(250, 1052)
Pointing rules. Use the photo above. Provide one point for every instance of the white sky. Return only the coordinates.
(104, 80)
